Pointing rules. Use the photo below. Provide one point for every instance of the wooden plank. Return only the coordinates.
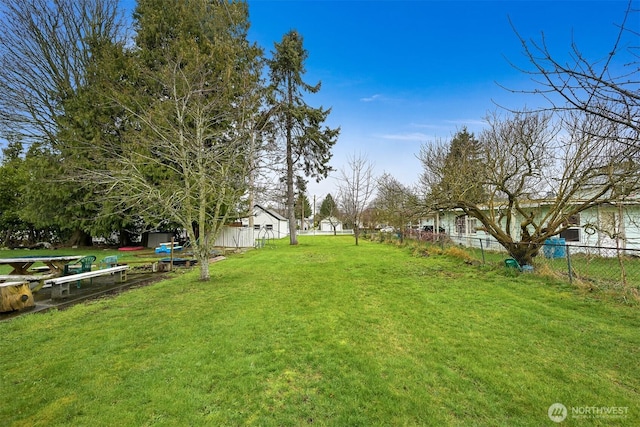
(86, 275)
(26, 278)
(43, 258)
(10, 284)
(36, 281)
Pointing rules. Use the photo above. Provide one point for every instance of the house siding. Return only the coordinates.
(463, 229)
(267, 224)
(326, 224)
(235, 237)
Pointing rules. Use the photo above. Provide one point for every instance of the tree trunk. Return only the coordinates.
(202, 248)
(523, 252)
(15, 296)
(80, 238)
(124, 237)
(200, 251)
(293, 238)
(204, 267)
(252, 181)
(7, 237)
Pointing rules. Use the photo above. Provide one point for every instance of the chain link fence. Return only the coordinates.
(597, 267)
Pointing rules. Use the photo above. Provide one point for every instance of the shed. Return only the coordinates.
(330, 224)
(268, 223)
(152, 239)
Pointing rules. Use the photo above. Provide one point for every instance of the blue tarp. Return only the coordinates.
(555, 248)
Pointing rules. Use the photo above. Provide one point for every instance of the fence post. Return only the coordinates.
(569, 263)
(482, 251)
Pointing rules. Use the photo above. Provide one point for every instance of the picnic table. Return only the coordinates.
(54, 266)
(16, 292)
(21, 265)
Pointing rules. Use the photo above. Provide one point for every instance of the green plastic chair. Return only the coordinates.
(109, 261)
(512, 263)
(80, 266)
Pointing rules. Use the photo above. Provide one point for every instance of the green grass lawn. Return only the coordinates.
(607, 277)
(325, 333)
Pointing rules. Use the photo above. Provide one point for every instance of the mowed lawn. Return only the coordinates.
(326, 333)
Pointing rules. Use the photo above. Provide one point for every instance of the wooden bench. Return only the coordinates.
(15, 296)
(24, 277)
(36, 281)
(60, 285)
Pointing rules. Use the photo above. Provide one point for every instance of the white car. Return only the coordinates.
(387, 229)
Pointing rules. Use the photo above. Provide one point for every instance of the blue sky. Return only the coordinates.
(399, 74)
(402, 73)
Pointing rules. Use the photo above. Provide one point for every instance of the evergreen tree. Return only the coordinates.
(464, 169)
(307, 143)
(92, 132)
(13, 176)
(196, 96)
(328, 208)
(302, 206)
(47, 52)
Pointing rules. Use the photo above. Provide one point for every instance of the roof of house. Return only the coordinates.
(274, 214)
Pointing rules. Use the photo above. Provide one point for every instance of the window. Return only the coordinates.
(571, 235)
(256, 226)
(465, 225)
(269, 226)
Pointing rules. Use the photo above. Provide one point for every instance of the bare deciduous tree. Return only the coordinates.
(597, 103)
(536, 176)
(184, 166)
(356, 189)
(188, 161)
(606, 88)
(45, 53)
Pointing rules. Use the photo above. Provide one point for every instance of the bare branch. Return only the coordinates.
(356, 189)
(608, 88)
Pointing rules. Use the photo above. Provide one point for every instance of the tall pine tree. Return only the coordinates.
(307, 143)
